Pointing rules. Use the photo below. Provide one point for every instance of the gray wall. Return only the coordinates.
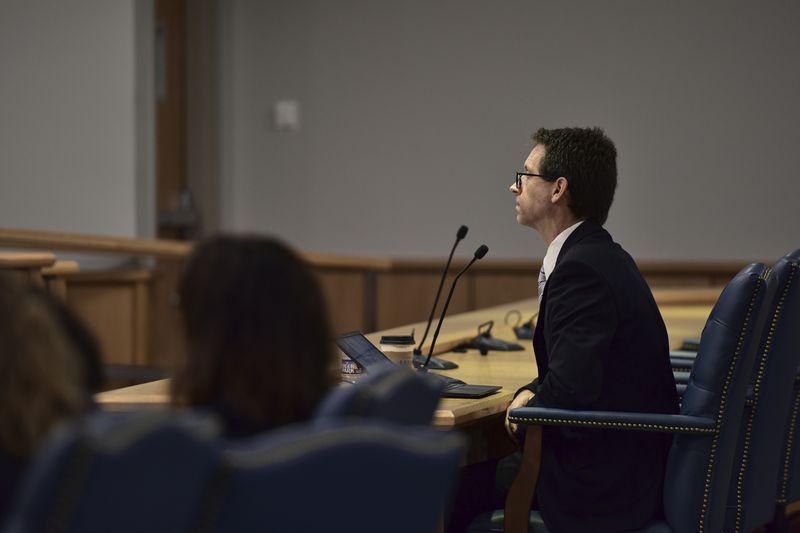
(67, 117)
(415, 115)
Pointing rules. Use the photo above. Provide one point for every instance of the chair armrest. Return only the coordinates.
(545, 416)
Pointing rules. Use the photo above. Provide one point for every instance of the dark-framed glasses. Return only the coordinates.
(518, 182)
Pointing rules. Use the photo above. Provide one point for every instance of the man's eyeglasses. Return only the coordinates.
(520, 174)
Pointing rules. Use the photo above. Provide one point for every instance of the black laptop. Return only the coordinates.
(358, 348)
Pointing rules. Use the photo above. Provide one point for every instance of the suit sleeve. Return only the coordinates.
(581, 324)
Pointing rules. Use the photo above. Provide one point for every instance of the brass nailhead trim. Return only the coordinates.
(625, 425)
(787, 458)
(756, 395)
(712, 458)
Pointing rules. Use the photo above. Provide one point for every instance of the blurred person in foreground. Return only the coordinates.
(259, 349)
(49, 368)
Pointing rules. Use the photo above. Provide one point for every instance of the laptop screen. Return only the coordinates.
(358, 348)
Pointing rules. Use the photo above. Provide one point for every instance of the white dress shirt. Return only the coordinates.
(549, 262)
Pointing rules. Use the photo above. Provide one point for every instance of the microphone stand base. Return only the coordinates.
(435, 363)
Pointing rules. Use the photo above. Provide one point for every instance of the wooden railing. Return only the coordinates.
(75, 242)
(363, 293)
(158, 248)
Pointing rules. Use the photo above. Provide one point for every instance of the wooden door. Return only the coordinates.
(177, 216)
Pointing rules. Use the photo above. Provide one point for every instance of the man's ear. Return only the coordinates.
(560, 189)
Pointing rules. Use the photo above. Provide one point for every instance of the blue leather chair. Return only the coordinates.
(121, 473)
(789, 476)
(398, 396)
(760, 455)
(700, 462)
(787, 339)
(759, 458)
(354, 477)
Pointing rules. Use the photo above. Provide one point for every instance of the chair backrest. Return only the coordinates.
(399, 396)
(122, 473)
(751, 503)
(699, 467)
(789, 478)
(359, 477)
(789, 338)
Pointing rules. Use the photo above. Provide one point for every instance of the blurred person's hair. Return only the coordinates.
(42, 376)
(258, 340)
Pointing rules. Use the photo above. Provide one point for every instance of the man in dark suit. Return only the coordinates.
(600, 341)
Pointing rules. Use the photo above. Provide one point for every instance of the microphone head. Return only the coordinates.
(481, 251)
(462, 232)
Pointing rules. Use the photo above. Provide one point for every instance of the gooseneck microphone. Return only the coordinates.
(462, 232)
(479, 254)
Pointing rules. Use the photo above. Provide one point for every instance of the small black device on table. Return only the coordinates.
(358, 348)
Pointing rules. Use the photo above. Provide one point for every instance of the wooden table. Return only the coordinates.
(684, 312)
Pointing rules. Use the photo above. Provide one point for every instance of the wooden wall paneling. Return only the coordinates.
(113, 308)
(678, 280)
(141, 323)
(689, 273)
(345, 296)
(166, 331)
(406, 297)
(720, 280)
(107, 309)
(490, 288)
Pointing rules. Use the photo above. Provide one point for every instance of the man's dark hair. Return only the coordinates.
(259, 343)
(588, 159)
